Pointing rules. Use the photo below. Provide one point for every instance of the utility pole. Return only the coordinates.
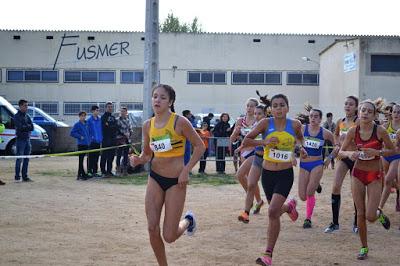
(150, 59)
(150, 55)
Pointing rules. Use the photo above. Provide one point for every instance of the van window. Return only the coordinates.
(6, 118)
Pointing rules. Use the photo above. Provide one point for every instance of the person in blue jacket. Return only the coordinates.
(96, 137)
(80, 132)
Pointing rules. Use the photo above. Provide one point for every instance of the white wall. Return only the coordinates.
(227, 52)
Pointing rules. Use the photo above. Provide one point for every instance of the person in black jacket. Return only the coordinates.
(23, 127)
(109, 129)
(221, 130)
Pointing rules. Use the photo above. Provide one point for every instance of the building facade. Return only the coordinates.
(366, 67)
(65, 72)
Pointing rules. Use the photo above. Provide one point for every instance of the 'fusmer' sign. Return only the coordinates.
(94, 51)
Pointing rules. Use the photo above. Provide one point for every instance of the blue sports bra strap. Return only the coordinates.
(289, 126)
(321, 133)
(306, 133)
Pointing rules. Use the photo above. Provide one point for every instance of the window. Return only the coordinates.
(91, 76)
(206, 77)
(72, 108)
(253, 78)
(385, 63)
(14, 75)
(299, 78)
(132, 105)
(132, 77)
(49, 107)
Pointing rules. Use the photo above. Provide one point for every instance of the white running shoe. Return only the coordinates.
(192, 223)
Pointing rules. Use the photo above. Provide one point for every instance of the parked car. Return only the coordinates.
(48, 123)
(39, 137)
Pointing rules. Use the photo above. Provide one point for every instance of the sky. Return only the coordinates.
(368, 17)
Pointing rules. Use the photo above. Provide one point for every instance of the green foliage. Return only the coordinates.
(172, 24)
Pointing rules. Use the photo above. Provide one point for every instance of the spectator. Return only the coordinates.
(208, 119)
(205, 135)
(188, 145)
(221, 130)
(96, 137)
(23, 128)
(109, 130)
(331, 126)
(123, 137)
(1, 141)
(80, 132)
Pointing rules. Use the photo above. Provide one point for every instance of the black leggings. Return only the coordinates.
(279, 182)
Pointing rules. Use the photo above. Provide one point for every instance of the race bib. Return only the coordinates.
(393, 137)
(162, 145)
(311, 143)
(245, 130)
(343, 132)
(278, 155)
(362, 156)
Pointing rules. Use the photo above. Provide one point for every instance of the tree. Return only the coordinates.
(172, 24)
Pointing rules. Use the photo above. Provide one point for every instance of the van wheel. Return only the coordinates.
(11, 148)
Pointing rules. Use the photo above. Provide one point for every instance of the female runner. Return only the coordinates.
(391, 163)
(242, 127)
(254, 174)
(280, 136)
(366, 173)
(345, 164)
(311, 168)
(164, 136)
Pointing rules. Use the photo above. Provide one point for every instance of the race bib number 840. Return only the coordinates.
(161, 145)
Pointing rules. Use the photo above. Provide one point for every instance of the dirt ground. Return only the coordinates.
(57, 220)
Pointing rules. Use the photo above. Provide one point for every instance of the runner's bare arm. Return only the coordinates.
(236, 132)
(249, 139)
(344, 150)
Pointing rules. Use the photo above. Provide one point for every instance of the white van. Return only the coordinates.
(39, 137)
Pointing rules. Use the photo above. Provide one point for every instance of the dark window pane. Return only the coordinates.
(310, 79)
(72, 108)
(240, 78)
(273, 78)
(86, 107)
(32, 75)
(15, 75)
(256, 78)
(206, 77)
(219, 77)
(139, 77)
(50, 75)
(107, 76)
(89, 76)
(72, 76)
(385, 63)
(294, 78)
(127, 77)
(194, 77)
(50, 108)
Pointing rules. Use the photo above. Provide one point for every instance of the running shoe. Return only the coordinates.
(355, 229)
(265, 259)
(192, 223)
(331, 228)
(363, 254)
(384, 220)
(319, 189)
(257, 207)
(292, 212)
(244, 217)
(307, 223)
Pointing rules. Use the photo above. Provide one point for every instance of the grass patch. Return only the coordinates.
(63, 173)
(197, 179)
